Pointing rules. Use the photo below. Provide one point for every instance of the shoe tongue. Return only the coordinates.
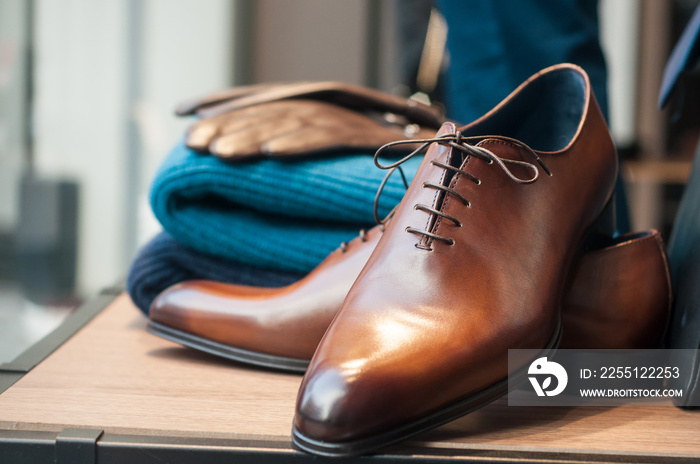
(455, 157)
(440, 175)
(446, 128)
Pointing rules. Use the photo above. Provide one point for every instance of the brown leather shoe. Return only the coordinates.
(473, 263)
(619, 298)
(272, 327)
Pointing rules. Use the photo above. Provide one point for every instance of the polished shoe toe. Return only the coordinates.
(324, 412)
(199, 314)
(336, 417)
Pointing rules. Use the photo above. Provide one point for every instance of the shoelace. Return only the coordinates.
(459, 142)
(363, 238)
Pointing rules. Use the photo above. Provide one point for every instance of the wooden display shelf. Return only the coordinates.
(115, 393)
(657, 172)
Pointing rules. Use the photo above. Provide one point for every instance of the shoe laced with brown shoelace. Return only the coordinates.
(461, 143)
(465, 145)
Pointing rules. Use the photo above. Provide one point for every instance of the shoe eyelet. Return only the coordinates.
(490, 161)
(478, 182)
(451, 242)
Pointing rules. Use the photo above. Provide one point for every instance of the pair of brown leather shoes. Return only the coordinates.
(498, 243)
(618, 298)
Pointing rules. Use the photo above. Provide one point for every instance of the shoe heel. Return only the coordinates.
(604, 227)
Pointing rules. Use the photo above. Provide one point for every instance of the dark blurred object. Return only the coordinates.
(7, 252)
(421, 47)
(684, 244)
(684, 57)
(684, 262)
(494, 46)
(46, 239)
(680, 89)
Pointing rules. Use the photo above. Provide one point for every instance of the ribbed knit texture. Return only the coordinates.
(272, 214)
(163, 262)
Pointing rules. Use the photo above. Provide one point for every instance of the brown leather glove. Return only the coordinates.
(303, 118)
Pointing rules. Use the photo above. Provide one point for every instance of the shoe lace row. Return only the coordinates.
(468, 146)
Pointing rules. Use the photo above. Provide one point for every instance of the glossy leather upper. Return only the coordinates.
(428, 324)
(287, 321)
(618, 298)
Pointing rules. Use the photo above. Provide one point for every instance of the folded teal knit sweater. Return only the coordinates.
(271, 213)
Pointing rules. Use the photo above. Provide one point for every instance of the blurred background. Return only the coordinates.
(87, 92)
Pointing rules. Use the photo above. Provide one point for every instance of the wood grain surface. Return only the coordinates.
(115, 376)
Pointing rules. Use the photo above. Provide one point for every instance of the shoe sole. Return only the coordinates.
(454, 411)
(280, 363)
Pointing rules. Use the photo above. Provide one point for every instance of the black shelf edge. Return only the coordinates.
(89, 445)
